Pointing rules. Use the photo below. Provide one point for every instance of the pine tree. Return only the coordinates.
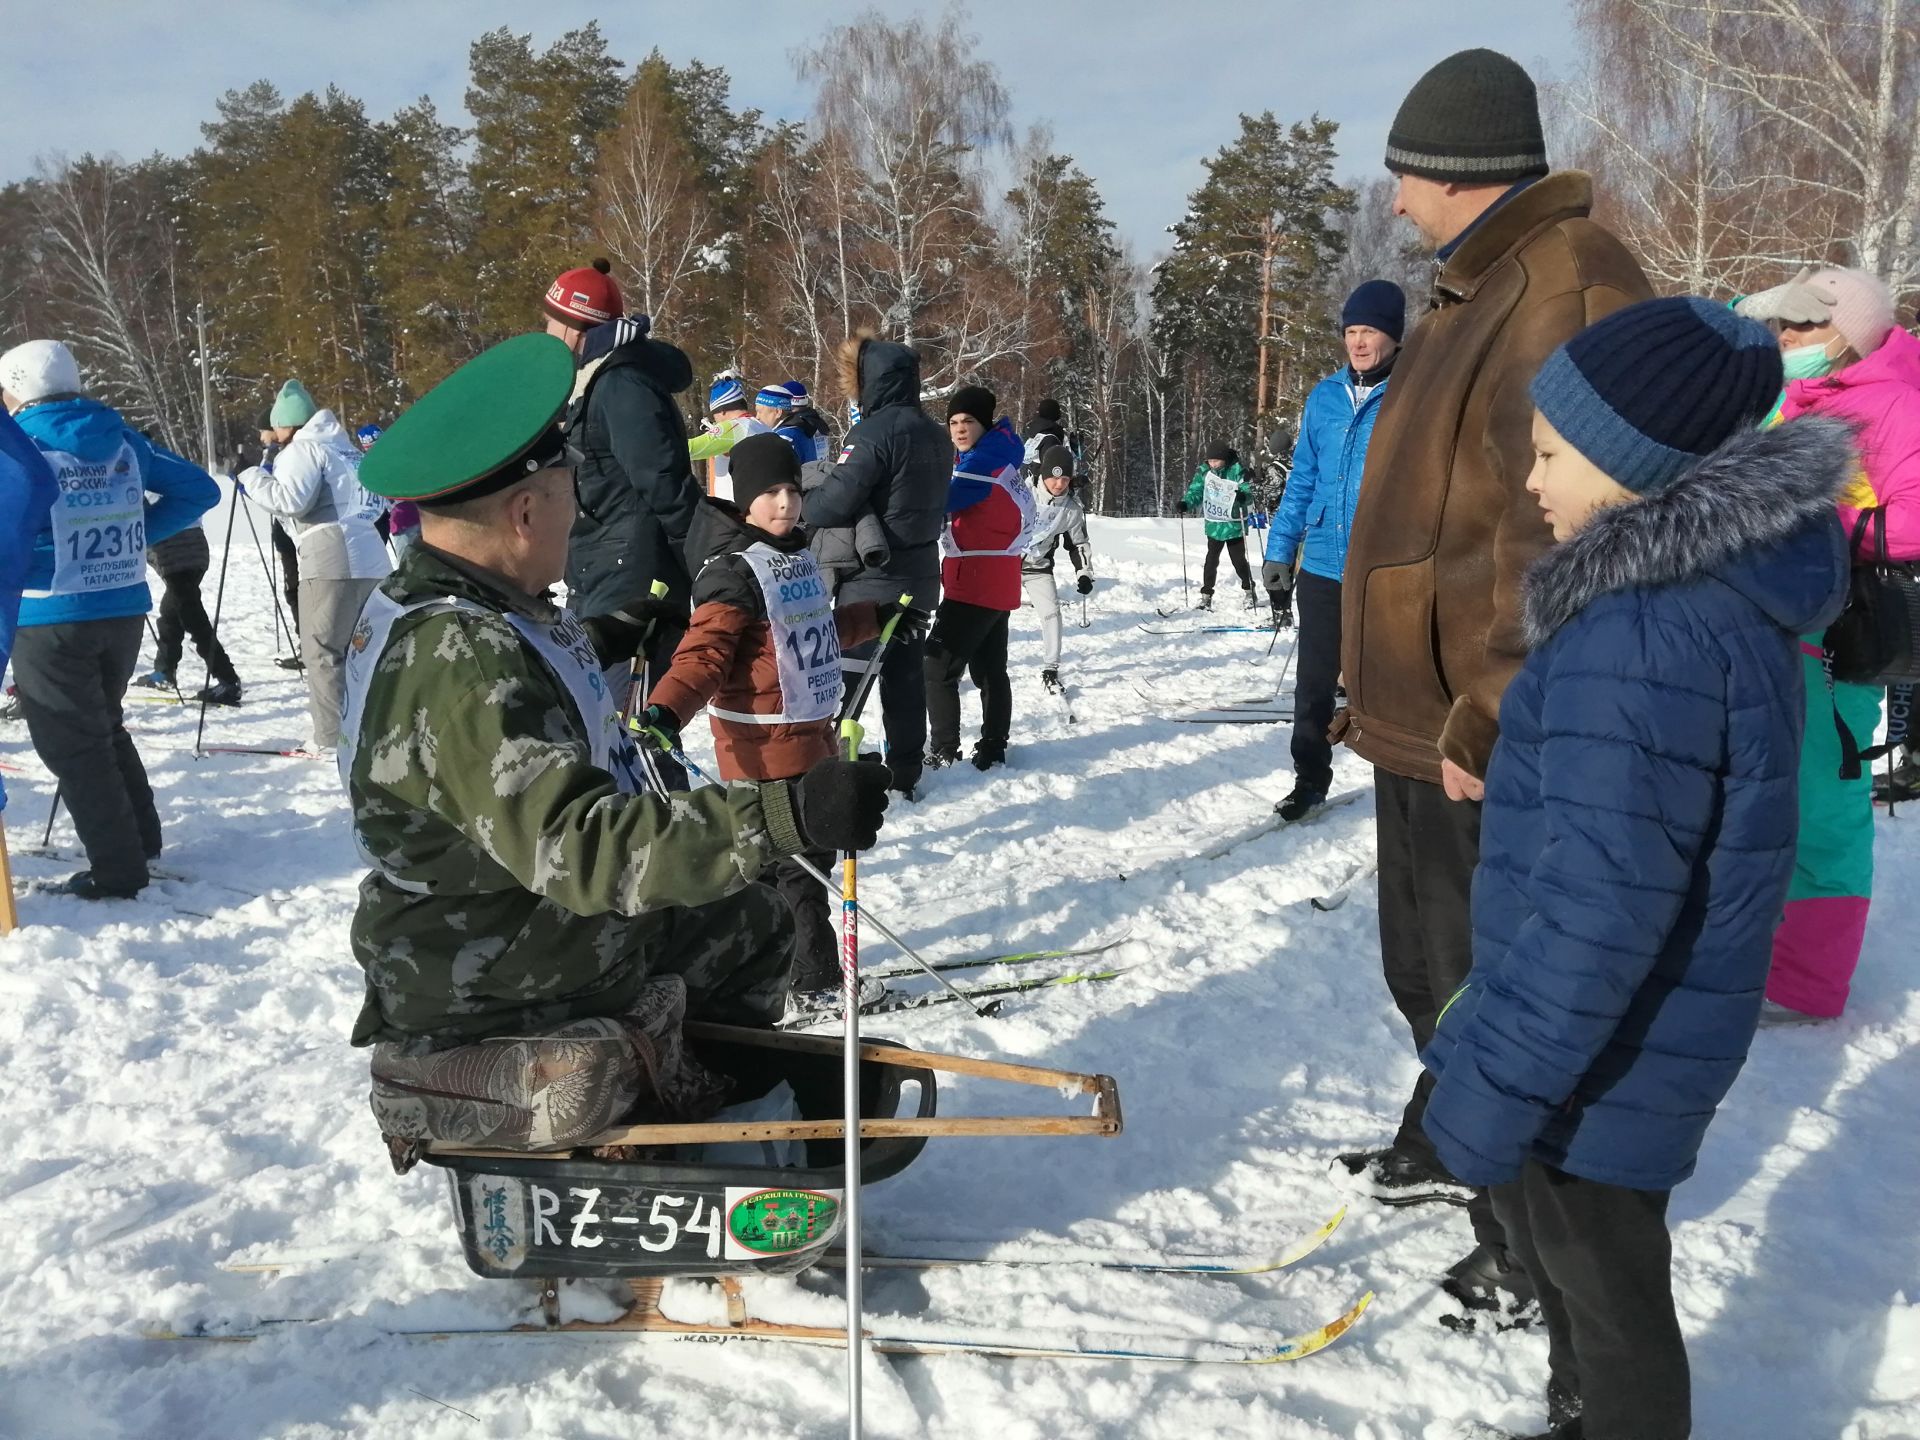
(424, 231)
(537, 121)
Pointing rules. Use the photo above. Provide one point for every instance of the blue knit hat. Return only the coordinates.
(728, 391)
(1379, 303)
(1652, 390)
(779, 397)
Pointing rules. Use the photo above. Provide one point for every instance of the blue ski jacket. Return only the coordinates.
(1323, 489)
(1640, 821)
(178, 493)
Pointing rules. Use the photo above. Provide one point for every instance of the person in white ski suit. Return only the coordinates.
(309, 479)
(1059, 518)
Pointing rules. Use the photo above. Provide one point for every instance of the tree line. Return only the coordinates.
(369, 257)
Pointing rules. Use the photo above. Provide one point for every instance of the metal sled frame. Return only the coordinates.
(1105, 1119)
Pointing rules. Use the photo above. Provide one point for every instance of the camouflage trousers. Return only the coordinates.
(727, 962)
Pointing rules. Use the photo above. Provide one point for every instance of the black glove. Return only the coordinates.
(1084, 584)
(621, 635)
(1182, 507)
(1277, 576)
(913, 623)
(838, 804)
(658, 717)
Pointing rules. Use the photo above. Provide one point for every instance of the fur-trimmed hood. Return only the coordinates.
(1757, 514)
(879, 373)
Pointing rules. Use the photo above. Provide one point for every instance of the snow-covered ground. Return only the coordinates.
(181, 1094)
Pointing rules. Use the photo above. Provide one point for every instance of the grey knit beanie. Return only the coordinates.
(1472, 119)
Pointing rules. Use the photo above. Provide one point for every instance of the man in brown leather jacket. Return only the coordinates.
(1443, 536)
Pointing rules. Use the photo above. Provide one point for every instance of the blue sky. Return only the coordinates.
(1139, 93)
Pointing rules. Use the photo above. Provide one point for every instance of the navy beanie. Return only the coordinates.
(1652, 390)
(1379, 303)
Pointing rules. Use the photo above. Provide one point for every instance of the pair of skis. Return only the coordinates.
(650, 1324)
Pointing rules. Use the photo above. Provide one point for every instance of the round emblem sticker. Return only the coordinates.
(778, 1222)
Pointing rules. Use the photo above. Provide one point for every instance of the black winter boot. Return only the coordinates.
(1206, 600)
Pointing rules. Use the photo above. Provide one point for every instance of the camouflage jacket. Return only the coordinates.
(509, 865)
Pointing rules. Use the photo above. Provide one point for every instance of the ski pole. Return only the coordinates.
(282, 627)
(850, 1082)
(46, 840)
(859, 700)
(219, 599)
(638, 667)
(1186, 597)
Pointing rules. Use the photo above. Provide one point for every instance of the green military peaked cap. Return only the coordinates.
(486, 425)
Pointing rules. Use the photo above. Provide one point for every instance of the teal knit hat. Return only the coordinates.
(292, 406)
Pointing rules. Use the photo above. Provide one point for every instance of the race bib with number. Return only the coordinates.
(805, 638)
(1221, 492)
(99, 523)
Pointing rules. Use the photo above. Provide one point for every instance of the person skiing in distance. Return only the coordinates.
(1638, 831)
(730, 420)
(1431, 624)
(83, 596)
(1059, 519)
(889, 488)
(1046, 430)
(1316, 516)
(531, 943)
(990, 517)
(1219, 490)
(637, 492)
(1845, 357)
(762, 654)
(182, 562)
(309, 479)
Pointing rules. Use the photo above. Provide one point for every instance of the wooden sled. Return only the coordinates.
(570, 1214)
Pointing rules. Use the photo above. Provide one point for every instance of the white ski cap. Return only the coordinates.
(39, 368)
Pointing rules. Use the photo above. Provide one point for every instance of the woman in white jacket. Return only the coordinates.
(310, 479)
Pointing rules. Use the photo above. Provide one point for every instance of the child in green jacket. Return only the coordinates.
(1220, 492)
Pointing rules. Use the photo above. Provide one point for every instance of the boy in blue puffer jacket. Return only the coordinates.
(1638, 835)
(86, 591)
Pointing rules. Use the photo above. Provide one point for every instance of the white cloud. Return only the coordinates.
(1139, 93)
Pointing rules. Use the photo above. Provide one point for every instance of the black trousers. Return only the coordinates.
(1236, 552)
(72, 680)
(816, 940)
(969, 639)
(1316, 674)
(903, 702)
(289, 554)
(183, 613)
(1601, 1259)
(1428, 848)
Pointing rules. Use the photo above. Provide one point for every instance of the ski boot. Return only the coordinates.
(1900, 785)
(154, 680)
(939, 757)
(82, 885)
(1050, 681)
(1300, 803)
(814, 1003)
(986, 756)
(220, 692)
(1206, 600)
(1489, 1284)
(1253, 601)
(1394, 1177)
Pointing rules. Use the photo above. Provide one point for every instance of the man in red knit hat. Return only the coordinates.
(636, 488)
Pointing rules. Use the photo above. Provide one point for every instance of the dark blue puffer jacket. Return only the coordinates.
(1640, 817)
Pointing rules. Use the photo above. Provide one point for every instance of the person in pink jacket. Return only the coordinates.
(1847, 359)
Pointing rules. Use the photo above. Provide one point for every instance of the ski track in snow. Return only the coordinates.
(183, 1095)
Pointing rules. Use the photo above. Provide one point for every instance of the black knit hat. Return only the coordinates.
(1047, 412)
(757, 464)
(1473, 119)
(974, 400)
(1219, 450)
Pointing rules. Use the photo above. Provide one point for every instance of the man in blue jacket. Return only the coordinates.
(1323, 489)
(27, 492)
(86, 591)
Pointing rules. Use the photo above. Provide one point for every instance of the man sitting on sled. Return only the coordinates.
(535, 927)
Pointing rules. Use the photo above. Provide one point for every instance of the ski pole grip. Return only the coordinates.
(853, 734)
